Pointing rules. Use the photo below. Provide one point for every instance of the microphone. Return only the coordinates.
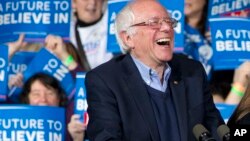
(201, 133)
(224, 132)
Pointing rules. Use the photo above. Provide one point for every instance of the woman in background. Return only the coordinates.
(197, 45)
(43, 90)
(241, 115)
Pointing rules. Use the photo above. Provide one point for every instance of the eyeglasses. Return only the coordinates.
(157, 22)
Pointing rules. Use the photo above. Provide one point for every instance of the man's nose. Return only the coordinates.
(43, 97)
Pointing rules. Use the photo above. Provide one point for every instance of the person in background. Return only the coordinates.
(55, 44)
(89, 31)
(63, 50)
(197, 45)
(238, 86)
(241, 115)
(240, 82)
(151, 94)
(76, 128)
(70, 57)
(66, 52)
(89, 35)
(43, 90)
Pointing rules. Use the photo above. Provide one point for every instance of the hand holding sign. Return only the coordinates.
(56, 45)
(242, 74)
(16, 81)
(76, 128)
(62, 50)
(16, 45)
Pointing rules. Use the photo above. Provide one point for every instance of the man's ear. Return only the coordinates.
(126, 38)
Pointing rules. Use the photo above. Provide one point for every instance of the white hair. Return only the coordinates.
(123, 22)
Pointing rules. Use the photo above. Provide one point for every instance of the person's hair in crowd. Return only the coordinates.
(49, 82)
(203, 7)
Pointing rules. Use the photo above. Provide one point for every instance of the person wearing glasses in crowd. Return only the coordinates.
(152, 94)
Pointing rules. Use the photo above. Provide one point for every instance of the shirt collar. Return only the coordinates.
(146, 72)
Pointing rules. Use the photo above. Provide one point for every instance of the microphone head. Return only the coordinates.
(223, 130)
(198, 130)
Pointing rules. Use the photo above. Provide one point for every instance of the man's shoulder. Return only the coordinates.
(184, 59)
(110, 66)
(183, 63)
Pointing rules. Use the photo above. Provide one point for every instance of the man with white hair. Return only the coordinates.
(148, 94)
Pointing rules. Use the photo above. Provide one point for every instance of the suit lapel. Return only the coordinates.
(179, 99)
(140, 95)
(177, 87)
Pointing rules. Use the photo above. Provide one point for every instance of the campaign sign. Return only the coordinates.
(50, 64)
(3, 72)
(176, 10)
(19, 62)
(114, 7)
(221, 8)
(226, 110)
(80, 106)
(35, 18)
(31, 123)
(230, 42)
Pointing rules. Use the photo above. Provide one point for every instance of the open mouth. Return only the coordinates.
(163, 41)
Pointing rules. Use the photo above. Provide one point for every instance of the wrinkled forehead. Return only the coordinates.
(148, 9)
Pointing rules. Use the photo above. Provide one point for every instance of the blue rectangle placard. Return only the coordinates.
(222, 8)
(230, 42)
(3, 72)
(32, 123)
(80, 106)
(35, 18)
(114, 7)
(20, 61)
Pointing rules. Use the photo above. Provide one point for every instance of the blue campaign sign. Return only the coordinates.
(80, 106)
(32, 123)
(3, 72)
(221, 8)
(175, 8)
(226, 110)
(230, 42)
(114, 7)
(35, 18)
(19, 62)
(46, 62)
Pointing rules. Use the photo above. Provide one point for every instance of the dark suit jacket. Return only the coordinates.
(120, 107)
